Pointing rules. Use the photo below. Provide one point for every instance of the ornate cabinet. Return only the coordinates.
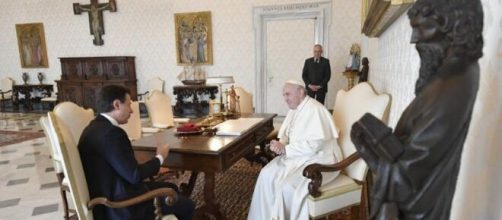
(83, 77)
(198, 107)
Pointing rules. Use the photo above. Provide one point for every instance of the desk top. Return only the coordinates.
(197, 144)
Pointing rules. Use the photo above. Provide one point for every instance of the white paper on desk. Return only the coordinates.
(237, 126)
(181, 120)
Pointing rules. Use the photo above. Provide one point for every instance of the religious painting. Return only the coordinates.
(32, 47)
(193, 38)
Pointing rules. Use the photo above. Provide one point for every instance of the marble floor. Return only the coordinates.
(28, 184)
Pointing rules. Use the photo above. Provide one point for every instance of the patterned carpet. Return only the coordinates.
(18, 127)
(234, 189)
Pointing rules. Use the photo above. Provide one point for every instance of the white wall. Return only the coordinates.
(394, 67)
(145, 29)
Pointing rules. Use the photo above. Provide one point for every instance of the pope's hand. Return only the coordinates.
(277, 147)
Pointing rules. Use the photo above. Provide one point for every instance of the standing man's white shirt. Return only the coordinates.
(309, 136)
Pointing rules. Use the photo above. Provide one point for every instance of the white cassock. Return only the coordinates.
(309, 135)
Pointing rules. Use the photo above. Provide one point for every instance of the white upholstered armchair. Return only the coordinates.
(69, 121)
(155, 83)
(348, 188)
(160, 109)
(6, 91)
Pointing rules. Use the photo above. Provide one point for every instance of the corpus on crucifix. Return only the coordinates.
(95, 11)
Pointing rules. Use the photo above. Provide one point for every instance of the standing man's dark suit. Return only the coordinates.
(317, 73)
(112, 171)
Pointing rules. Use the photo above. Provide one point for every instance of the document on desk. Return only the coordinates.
(236, 127)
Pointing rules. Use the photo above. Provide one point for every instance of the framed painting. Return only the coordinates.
(378, 15)
(193, 38)
(32, 47)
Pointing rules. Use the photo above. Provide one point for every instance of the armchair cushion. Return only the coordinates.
(335, 195)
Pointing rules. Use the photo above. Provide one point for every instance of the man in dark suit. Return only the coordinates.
(110, 167)
(316, 74)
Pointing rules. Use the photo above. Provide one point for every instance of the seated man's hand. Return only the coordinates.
(277, 147)
(163, 170)
(163, 150)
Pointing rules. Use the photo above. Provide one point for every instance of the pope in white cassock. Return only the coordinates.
(307, 135)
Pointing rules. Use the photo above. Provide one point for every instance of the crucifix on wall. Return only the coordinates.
(95, 11)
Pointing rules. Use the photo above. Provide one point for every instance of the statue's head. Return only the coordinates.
(445, 29)
(355, 49)
(365, 61)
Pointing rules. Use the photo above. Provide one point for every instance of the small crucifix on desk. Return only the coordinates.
(95, 11)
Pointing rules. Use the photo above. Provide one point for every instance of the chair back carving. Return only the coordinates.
(349, 107)
(133, 125)
(245, 100)
(73, 117)
(73, 169)
(160, 109)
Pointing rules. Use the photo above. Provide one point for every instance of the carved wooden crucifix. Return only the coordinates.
(95, 11)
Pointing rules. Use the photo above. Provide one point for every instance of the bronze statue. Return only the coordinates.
(416, 166)
(363, 74)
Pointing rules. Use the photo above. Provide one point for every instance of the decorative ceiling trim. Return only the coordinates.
(378, 15)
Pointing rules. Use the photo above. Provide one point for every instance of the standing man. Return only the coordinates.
(110, 167)
(316, 74)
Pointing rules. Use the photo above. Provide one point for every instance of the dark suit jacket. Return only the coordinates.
(112, 171)
(317, 73)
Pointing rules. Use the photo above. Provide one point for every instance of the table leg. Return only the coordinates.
(187, 188)
(211, 207)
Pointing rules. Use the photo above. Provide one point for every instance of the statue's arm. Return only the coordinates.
(436, 124)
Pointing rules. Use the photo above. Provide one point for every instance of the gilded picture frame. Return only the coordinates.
(378, 15)
(32, 46)
(193, 38)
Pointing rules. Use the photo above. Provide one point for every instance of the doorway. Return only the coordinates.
(289, 43)
(302, 26)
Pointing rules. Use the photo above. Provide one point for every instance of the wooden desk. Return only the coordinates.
(208, 154)
(26, 90)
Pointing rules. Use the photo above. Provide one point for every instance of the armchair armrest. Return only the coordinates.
(140, 95)
(170, 194)
(313, 172)
(5, 92)
(2, 93)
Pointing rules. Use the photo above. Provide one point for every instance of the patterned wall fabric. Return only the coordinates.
(146, 30)
(394, 67)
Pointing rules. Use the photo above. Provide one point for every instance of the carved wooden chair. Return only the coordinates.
(50, 135)
(155, 83)
(348, 187)
(160, 109)
(6, 90)
(77, 182)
